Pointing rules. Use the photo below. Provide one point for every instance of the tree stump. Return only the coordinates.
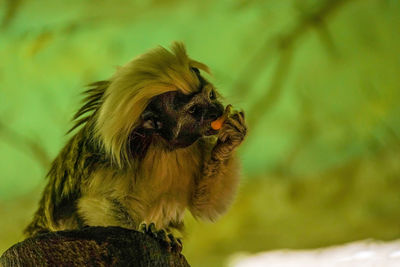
(92, 246)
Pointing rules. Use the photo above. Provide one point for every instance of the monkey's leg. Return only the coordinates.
(99, 211)
(164, 237)
(121, 214)
(216, 188)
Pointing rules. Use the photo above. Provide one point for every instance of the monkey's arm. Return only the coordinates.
(216, 187)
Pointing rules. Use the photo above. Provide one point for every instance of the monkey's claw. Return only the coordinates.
(175, 243)
(150, 230)
(167, 240)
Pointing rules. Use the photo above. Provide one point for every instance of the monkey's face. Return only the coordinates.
(182, 119)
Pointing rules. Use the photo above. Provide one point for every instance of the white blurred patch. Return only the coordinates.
(358, 254)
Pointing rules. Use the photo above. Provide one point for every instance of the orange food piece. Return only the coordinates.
(217, 124)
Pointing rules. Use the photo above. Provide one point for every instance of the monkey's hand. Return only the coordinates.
(231, 134)
(216, 189)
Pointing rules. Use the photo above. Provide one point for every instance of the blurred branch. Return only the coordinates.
(274, 91)
(326, 38)
(10, 12)
(24, 143)
(305, 136)
(284, 45)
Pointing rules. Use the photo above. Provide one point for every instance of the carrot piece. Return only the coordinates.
(217, 124)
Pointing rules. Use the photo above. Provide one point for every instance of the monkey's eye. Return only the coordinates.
(212, 95)
(196, 70)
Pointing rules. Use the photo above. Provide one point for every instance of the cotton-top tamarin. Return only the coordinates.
(145, 150)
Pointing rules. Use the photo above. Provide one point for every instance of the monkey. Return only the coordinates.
(143, 151)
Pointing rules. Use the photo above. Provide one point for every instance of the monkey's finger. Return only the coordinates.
(228, 110)
(242, 117)
(233, 124)
(241, 120)
(243, 123)
(162, 235)
(152, 229)
(172, 238)
(223, 135)
(237, 114)
(175, 244)
(237, 122)
(143, 228)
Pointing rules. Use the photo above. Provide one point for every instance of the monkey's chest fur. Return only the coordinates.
(157, 191)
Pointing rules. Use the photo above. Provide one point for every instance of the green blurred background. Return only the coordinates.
(319, 81)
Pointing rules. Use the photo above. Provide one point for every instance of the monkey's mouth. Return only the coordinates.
(210, 131)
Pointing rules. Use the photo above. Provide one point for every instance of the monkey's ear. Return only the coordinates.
(150, 120)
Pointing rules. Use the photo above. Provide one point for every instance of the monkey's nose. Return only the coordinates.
(214, 112)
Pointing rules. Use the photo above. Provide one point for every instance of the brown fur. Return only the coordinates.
(98, 180)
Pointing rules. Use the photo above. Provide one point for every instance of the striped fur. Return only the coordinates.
(106, 175)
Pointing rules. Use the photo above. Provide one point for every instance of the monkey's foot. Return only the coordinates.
(166, 239)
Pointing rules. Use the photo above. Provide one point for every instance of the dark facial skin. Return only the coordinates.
(182, 119)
